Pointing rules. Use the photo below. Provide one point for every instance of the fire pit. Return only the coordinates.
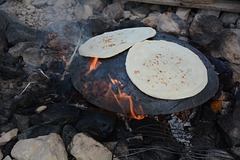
(109, 87)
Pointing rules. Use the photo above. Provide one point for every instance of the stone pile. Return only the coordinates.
(29, 69)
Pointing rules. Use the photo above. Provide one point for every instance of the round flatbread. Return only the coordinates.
(165, 70)
(112, 43)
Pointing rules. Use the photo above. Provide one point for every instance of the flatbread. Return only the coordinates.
(112, 43)
(165, 70)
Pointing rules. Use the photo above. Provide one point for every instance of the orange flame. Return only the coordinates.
(121, 97)
(216, 105)
(115, 81)
(94, 65)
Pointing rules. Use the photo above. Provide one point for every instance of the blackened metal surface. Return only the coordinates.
(95, 86)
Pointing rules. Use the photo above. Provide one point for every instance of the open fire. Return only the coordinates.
(38, 96)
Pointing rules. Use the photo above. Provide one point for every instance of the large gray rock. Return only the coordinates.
(99, 23)
(84, 147)
(209, 12)
(223, 44)
(204, 25)
(48, 147)
(82, 12)
(97, 5)
(236, 71)
(140, 12)
(152, 19)
(114, 11)
(6, 137)
(18, 49)
(17, 32)
(172, 24)
(183, 13)
(229, 18)
(7, 158)
(65, 3)
(32, 56)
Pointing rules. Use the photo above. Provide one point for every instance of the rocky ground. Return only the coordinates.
(35, 65)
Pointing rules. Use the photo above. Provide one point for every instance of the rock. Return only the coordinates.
(83, 12)
(99, 23)
(7, 158)
(21, 121)
(238, 24)
(152, 19)
(237, 32)
(40, 109)
(97, 5)
(225, 73)
(223, 44)
(140, 12)
(228, 18)
(236, 71)
(48, 147)
(204, 25)
(236, 151)
(172, 24)
(121, 149)
(185, 39)
(62, 114)
(17, 32)
(84, 147)
(114, 11)
(96, 124)
(68, 133)
(229, 128)
(32, 56)
(38, 130)
(209, 12)
(17, 49)
(217, 154)
(126, 14)
(6, 137)
(39, 3)
(65, 3)
(183, 13)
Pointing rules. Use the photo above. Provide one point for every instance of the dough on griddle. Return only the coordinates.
(112, 43)
(165, 70)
